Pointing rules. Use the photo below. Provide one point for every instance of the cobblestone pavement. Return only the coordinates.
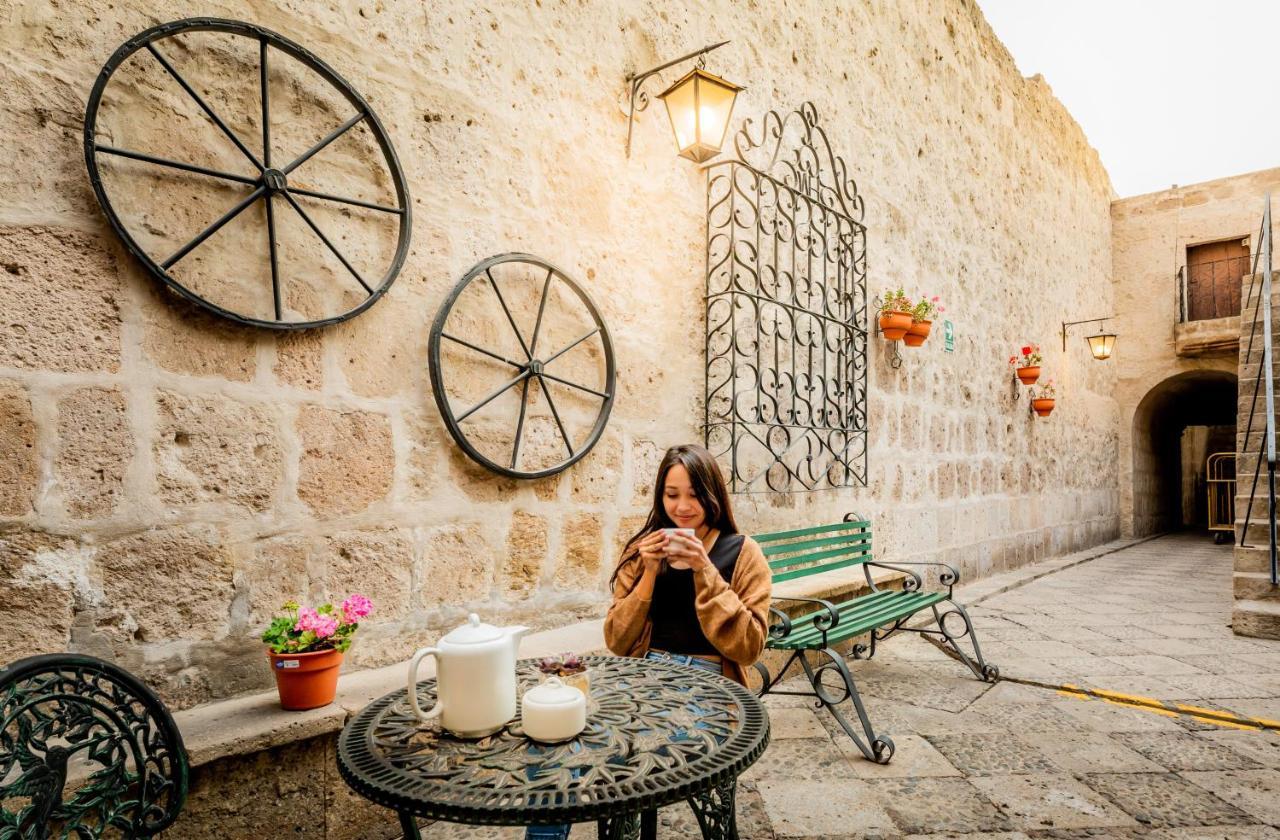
(1013, 761)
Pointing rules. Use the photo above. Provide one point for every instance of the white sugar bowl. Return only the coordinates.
(553, 711)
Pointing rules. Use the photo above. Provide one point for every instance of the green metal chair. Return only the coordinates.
(86, 751)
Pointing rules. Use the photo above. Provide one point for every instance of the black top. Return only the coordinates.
(675, 621)
(636, 753)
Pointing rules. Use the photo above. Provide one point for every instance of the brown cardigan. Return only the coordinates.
(734, 616)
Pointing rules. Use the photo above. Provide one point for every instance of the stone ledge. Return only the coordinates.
(1211, 337)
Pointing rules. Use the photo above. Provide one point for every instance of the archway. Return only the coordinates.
(1177, 424)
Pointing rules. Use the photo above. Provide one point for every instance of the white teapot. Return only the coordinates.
(475, 678)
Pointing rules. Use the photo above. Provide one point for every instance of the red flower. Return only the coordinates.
(1026, 351)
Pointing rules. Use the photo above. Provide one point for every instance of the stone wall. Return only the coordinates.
(1150, 235)
(169, 478)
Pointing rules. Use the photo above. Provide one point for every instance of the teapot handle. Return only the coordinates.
(438, 708)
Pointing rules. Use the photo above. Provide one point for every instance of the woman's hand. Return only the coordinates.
(689, 550)
(653, 550)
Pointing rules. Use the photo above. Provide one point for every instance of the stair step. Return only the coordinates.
(1252, 559)
(1254, 586)
(1257, 619)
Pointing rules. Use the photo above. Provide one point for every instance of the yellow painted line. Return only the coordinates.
(1215, 717)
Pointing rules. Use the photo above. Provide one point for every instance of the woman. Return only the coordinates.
(701, 602)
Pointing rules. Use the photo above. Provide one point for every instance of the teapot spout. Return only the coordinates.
(515, 634)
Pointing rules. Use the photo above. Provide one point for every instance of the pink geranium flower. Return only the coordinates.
(355, 608)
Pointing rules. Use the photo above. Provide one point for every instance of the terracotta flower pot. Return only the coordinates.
(894, 325)
(1029, 375)
(306, 680)
(918, 332)
(1043, 406)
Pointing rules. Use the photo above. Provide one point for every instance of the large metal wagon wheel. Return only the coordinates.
(480, 335)
(276, 183)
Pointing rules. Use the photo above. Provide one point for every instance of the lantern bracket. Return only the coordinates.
(639, 98)
(1066, 324)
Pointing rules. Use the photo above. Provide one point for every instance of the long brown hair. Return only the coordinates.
(708, 486)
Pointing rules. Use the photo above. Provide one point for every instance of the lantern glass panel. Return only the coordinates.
(700, 106)
(1101, 345)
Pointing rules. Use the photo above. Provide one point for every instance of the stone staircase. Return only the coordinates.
(1257, 601)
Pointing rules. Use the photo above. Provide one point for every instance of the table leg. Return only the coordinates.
(623, 827)
(649, 825)
(409, 825)
(714, 809)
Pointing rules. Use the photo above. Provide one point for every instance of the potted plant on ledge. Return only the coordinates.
(1044, 398)
(1027, 364)
(922, 315)
(306, 645)
(895, 314)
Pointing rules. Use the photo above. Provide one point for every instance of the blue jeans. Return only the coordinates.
(561, 832)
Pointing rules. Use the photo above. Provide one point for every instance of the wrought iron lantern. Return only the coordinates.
(1100, 345)
(699, 105)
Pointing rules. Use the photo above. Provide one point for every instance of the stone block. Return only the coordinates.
(526, 551)
(581, 547)
(61, 289)
(270, 572)
(300, 359)
(180, 337)
(347, 459)
(598, 476)
(378, 564)
(211, 450)
(426, 451)
(459, 565)
(41, 574)
(94, 449)
(17, 451)
(169, 584)
(384, 351)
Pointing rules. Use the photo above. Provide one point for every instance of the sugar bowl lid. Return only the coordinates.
(553, 694)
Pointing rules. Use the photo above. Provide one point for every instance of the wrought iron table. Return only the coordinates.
(657, 733)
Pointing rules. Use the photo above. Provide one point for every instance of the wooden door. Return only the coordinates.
(1215, 271)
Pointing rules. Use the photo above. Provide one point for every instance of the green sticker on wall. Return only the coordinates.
(948, 337)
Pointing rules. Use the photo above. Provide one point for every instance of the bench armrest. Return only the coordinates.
(822, 622)
(948, 577)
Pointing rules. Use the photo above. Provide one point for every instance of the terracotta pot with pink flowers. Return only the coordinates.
(922, 315)
(895, 314)
(306, 645)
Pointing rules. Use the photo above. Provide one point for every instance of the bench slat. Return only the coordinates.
(762, 539)
(815, 556)
(805, 545)
(884, 611)
(778, 577)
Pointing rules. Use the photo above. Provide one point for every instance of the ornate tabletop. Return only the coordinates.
(656, 733)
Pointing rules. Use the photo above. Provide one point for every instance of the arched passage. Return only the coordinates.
(1177, 424)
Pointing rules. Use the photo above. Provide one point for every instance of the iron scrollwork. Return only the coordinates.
(786, 298)
(86, 751)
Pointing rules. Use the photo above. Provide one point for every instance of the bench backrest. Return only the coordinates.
(811, 551)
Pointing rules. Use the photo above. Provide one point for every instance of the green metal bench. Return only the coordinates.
(880, 613)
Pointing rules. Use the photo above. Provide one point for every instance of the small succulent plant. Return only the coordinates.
(562, 665)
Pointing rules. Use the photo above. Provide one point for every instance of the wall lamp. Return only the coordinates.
(699, 105)
(1100, 345)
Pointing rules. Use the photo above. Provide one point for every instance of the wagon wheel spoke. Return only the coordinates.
(470, 411)
(542, 305)
(174, 164)
(556, 414)
(524, 405)
(555, 378)
(557, 355)
(325, 141)
(488, 353)
(275, 260)
(204, 106)
(316, 230)
(493, 284)
(264, 95)
(369, 205)
(213, 228)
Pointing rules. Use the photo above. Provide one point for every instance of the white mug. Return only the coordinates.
(687, 532)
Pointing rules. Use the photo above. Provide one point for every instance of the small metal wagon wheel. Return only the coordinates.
(274, 182)
(480, 337)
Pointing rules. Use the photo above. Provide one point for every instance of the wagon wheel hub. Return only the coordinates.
(535, 367)
(274, 180)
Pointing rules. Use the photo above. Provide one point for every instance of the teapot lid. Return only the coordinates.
(553, 692)
(473, 632)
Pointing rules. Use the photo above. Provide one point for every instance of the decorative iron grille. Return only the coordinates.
(786, 298)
